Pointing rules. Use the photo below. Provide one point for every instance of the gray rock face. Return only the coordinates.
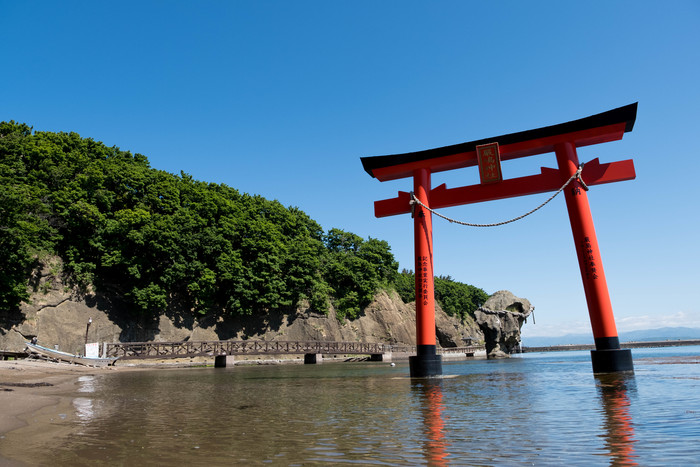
(57, 316)
(500, 319)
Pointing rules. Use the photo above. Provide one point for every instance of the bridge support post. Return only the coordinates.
(380, 357)
(426, 363)
(222, 361)
(312, 358)
(608, 356)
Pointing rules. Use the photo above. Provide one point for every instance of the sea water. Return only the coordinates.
(532, 409)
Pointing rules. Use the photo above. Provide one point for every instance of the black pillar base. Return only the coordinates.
(312, 358)
(220, 361)
(612, 361)
(427, 364)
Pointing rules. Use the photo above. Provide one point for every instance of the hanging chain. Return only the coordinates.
(577, 175)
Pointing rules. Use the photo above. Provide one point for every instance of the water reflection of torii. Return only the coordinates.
(620, 438)
(435, 444)
(562, 139)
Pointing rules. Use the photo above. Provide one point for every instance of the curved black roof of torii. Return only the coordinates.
(626, 115)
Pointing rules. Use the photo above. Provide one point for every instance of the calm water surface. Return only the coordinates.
(541, 409)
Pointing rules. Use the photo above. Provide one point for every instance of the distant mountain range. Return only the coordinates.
(661, 334)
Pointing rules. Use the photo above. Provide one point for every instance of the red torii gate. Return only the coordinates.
(562, 139)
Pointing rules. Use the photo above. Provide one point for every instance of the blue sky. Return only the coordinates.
(282, 99)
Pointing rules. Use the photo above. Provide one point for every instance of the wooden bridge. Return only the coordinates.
(226, 350)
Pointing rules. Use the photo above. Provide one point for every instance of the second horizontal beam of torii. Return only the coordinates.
(594, 173)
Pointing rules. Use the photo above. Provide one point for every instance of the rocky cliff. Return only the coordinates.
(57, 315)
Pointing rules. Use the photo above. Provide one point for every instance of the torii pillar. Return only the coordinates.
(562, 139)
(607, 357)
(426, 362)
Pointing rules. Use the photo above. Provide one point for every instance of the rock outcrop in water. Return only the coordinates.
(500, 320)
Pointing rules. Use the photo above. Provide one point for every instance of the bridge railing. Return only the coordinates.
(252, 347)
(469, 350)
(213, 348)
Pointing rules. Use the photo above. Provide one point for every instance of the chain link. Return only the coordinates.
(577, 175)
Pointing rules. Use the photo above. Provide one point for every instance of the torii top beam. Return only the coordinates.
(599, 128)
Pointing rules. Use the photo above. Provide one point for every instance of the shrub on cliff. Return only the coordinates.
(356, 269)
(455, 298)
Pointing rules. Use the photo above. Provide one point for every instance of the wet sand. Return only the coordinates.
(35, 399)
(26, 386)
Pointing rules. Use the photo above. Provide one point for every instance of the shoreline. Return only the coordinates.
(37, 397)
(27, 390)
(27, 386)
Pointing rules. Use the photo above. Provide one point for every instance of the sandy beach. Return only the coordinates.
(36, 400)
(32, 394)
(28, 385)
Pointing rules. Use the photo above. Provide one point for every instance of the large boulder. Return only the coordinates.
(500, 320)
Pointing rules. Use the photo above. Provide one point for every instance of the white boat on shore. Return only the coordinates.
(53, 354)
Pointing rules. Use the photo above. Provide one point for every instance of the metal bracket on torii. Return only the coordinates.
(562, 139)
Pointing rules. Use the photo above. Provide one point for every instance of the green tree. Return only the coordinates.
(455, 298)
(458, 299)
(24, 230)
(158, 239)
(405, 285)
(355, 270)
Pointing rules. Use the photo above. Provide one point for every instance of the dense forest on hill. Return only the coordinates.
(158, 239)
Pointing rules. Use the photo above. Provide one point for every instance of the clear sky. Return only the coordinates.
(282, 98)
